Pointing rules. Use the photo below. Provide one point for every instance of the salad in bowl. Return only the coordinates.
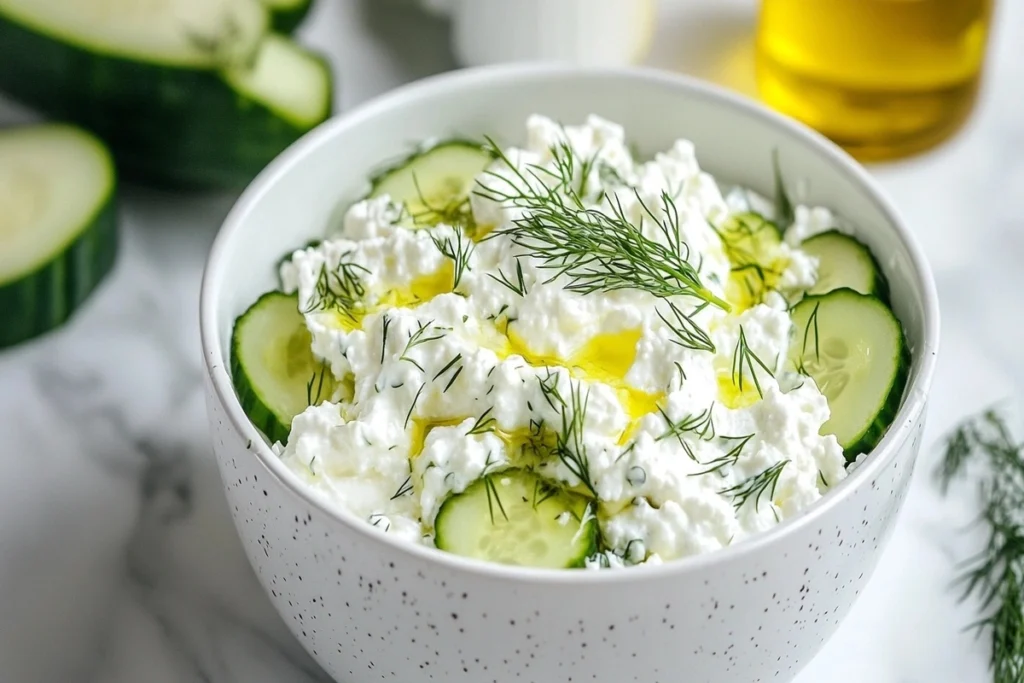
(562, 355)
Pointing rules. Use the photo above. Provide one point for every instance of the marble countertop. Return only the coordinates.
(118, 559)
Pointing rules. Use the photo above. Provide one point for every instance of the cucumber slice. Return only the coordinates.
(434, 184)
(844, 262)
(854, 348)
(184, 33)
(187, 93)
(286, 15)
(272, 367)
(58, 225)
(516, 517)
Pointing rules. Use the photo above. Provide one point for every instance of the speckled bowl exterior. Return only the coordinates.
(369, 608)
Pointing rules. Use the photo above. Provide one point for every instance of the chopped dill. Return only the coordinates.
(756, 486)
(485, 423)
(569, 445)
(459, 251)
(995, 575)
(517, 287)
(493, 498)
(412, 406)
(742, 357)
(422, 335)
(340, 289)
(729, 458)
(315, 396)
(784, 211)
(404, 489)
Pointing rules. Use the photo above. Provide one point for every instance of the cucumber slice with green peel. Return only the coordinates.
(273, 368)
(58, 225)
(854, 349)
(434, 184)
(843, 261)
(287, 15)
(187, 93)
(516, 517)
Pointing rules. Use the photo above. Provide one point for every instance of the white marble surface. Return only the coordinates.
(118, 560)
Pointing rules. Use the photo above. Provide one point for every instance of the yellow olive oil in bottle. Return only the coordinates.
(882, 78)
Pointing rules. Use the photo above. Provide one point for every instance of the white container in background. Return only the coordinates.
(585, 32)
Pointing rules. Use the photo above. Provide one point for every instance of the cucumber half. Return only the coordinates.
(191, 93)
(58, 225)
(434, 184)
(272, 367)
(286, 15)
(854, 348)
(844, 262)
(515, 517)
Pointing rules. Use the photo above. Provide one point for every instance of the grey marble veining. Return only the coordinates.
(118, 559)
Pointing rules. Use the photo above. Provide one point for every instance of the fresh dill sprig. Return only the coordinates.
(315, 386)
(458, 250)
(404, 489)
(451, 380)
(595, 250)
(996, 574)
(680, 372)
(742, 357)
(701, 424)
(812, 324)
(784, 211)
(542, 490)
(519, 286)
(729, 458)
(485, 423)
(422, 335)
(549, 390)
(385, 323)
(756, 486)
(339, 289)
(412, 406)
(448, 366)
(493, 498)
(687, 333)
(610, 176)
(569, 445)
(379, 520)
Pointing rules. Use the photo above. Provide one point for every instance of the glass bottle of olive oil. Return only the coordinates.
(882, 78)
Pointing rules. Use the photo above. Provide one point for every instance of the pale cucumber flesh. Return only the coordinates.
(288, 80)
(434, 181)
(273, 369)
(513, 517)
(54, 179)
(854, 349)
(198, 33)
(842, 262)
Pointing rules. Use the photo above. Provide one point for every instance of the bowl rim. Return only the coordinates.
(216, 351)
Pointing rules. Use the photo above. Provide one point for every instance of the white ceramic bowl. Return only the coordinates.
(369, 608)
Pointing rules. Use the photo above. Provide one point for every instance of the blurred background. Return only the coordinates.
(118, 559)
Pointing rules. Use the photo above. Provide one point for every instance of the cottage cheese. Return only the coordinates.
(426, 364)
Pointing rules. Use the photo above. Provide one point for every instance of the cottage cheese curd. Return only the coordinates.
(441, 384)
